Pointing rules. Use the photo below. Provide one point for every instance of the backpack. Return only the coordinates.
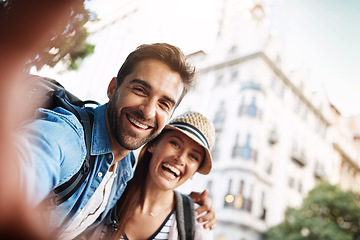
(185, 216)
(48, 93)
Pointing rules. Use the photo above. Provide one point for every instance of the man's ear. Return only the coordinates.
(112, 88)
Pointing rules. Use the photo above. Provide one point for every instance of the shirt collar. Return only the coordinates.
(100, 143)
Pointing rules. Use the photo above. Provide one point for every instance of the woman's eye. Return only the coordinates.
(194, 157)
(175, 144)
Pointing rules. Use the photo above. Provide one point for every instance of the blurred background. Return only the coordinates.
(280, 81)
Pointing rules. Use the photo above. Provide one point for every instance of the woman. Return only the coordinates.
(149, 207)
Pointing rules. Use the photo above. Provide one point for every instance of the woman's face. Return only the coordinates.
(175, 159)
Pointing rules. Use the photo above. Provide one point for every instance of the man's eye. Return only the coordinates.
(166, 106)
(139, 90)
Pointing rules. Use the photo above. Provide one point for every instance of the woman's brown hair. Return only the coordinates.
(134, 191)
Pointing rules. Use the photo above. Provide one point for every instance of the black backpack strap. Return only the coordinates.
(63, 192)
(185, 216)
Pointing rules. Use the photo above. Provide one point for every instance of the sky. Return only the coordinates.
(321, 35)
(325, 36)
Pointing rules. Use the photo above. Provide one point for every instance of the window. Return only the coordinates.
(229, 198)
(268, 167)
(237, 148)
(250, 110)
(300, 187)
(215, 152)
(252, 107)
(272, 83)
(291, 182)
(280, 90)
(238, 200)
(220, 115)
(219, 79)
(234, 75)
(233, 50)
(244, 151)
(262, 207)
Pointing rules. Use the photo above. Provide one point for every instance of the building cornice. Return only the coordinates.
(346, 156)
(276, 70)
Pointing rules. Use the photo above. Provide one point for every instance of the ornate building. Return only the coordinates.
(275, 138)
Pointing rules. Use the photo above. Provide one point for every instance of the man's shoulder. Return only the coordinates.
(56, 115)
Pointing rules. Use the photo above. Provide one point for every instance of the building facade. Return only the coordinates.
(274, 137)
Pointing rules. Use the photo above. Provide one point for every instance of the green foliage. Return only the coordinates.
(326, 214)
(66, 41)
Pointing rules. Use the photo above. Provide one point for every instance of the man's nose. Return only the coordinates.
(148, 108)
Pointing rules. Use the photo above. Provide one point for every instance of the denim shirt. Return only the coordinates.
(51, 150)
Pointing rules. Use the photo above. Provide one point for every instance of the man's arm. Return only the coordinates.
(43, 146)
(205, 207)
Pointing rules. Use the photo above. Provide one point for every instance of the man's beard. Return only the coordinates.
(118, 128)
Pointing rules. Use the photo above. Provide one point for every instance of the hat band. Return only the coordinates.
(191, 129)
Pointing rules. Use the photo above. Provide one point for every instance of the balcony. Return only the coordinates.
(238, 202)
(245, 152)
(250, 86)
(319, 171)
(249, 110)
(273, 137)
(298, 156)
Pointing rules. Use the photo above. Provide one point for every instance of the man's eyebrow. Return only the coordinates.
(148, 86)
(142, 82)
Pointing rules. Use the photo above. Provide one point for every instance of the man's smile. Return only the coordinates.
(137, 123)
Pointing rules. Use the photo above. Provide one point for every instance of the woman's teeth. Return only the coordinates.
(172, 169)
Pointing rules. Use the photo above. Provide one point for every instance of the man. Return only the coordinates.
(142, 98)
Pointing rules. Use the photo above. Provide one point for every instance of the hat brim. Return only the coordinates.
(206, 165)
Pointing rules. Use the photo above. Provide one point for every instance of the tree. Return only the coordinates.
(326, 213)
(27, 27)
(65, 42)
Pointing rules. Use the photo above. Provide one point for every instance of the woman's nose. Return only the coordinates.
(180, 159)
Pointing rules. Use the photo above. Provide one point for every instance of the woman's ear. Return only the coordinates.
(151, 147)
(112, 88)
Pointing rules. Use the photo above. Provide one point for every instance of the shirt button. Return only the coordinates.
(110, 156)
(99, 174)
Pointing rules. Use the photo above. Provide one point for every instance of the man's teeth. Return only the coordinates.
(137, 123)
(173, 169)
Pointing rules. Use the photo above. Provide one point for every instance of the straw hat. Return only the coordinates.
(201, 130)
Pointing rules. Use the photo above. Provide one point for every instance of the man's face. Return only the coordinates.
(144, 102)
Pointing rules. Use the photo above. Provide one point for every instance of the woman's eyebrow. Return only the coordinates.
(195, 150)
(179, 138)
